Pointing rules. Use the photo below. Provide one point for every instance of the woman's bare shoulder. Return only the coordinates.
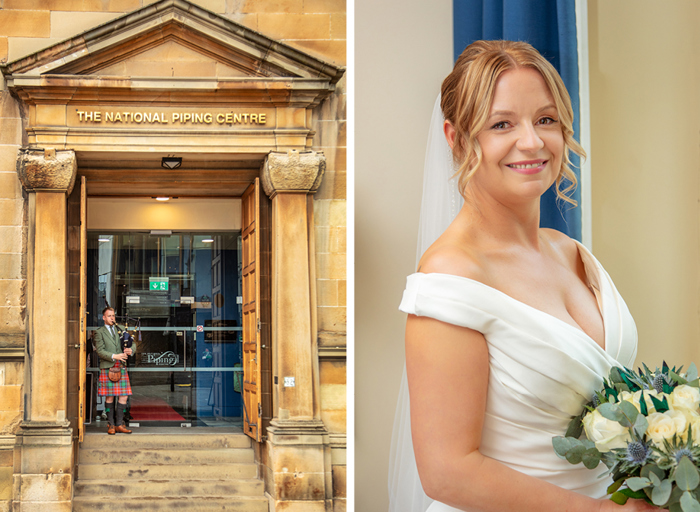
(564, 246)
(449, 256)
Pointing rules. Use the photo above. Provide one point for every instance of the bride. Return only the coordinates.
(511, 327)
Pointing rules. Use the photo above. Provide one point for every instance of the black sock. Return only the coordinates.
(109, 409)
(120, 414)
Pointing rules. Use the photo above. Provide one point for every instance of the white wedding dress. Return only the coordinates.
(542, 370)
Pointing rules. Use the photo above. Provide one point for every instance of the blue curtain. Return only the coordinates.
(549, 26)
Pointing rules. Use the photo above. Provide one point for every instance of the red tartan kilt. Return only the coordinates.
(108, 388)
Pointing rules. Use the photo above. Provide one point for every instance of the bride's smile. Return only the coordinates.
(522, 142)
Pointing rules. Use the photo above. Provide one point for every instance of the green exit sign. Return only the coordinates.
(158, 284)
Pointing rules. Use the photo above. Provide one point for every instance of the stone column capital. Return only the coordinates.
(47, 170)
(293, 171)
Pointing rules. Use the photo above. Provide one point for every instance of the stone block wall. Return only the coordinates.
(13, 275)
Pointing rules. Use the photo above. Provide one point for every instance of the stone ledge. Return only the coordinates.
(297, 432)
(14, 340)
(332, 339)
(7, 442)
(45, 433)
(11, 354)
(332, 353)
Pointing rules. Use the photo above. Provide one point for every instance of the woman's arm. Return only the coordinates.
(448, 370)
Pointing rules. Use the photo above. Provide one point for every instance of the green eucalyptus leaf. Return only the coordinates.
(610, 411)
(689, 503)
(575, 454)
(615, 375)
(591, 458)
(619, 498)
(587, 444)
(687, 476)
(563, 444)
(677, 378)
(629, 414)
(653, 468)
(675, 507)
(575, 426)
(661, 493)
(692, 373)
(655, 479)
(641, 424)
(636, 483)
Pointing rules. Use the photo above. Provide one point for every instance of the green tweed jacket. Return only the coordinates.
(107, 345)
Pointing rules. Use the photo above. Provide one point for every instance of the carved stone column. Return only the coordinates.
(298, 450)
(43, 477)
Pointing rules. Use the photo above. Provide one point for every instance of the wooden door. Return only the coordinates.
(252, 407)
(83, 308)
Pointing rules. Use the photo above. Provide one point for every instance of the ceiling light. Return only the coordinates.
(170, 162)
(162, 198)
(207, 240)
(104, 240)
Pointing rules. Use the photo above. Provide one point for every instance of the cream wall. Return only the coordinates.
(401, 56)
(645, 159)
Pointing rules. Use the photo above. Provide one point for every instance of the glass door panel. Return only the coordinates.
(179, 295)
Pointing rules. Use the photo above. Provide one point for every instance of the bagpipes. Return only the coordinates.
(126, 339)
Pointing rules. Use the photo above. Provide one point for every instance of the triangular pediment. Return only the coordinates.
(173, 39)
(174, 58)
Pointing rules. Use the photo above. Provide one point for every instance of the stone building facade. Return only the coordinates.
(69, 67)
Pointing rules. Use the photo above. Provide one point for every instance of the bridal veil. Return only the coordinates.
(439, 206)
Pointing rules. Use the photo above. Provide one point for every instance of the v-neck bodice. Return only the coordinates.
(542, 369)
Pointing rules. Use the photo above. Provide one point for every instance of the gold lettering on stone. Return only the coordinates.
(179, 118)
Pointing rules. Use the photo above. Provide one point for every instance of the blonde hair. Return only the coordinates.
(467, 96)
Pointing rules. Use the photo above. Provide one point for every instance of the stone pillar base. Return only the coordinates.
(298, 466)
(42, 480)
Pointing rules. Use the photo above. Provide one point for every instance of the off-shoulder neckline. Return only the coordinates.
(601, 307)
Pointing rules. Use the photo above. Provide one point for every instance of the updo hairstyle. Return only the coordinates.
(467, 96)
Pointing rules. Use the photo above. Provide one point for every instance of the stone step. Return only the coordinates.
(154, 504)
(168, 488)
(157, 440)
(166, 471)
(137, 457)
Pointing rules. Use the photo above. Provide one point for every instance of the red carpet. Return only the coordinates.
(147, 408)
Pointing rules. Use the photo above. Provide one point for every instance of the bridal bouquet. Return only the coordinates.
(645, 427)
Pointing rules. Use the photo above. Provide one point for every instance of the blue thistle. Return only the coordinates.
(683, 452)
(637, 453)
(659, 383)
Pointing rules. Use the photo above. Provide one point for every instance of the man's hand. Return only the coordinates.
(121, 357)
(128, 351)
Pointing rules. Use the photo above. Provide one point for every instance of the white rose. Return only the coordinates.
(695, 428)
(634, 398)
(606, 434)
(685, 397)
(665, 426)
